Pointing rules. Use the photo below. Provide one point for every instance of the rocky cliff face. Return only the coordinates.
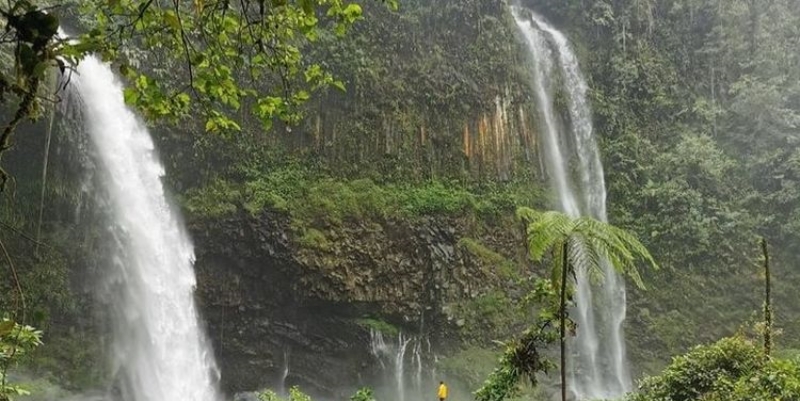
(266, 298)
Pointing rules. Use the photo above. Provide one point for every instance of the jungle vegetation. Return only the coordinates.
(696, 104)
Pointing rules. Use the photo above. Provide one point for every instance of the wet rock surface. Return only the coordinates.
(264, 296)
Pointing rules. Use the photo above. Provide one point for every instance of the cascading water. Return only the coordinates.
(598, 365)
(417, 360)
(282, 386)
(399, 366)
(160, 351)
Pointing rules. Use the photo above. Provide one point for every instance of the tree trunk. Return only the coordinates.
(563, 318)
(767, 301)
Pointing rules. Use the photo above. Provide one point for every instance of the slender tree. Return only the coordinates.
(767, 301)
(581, 243)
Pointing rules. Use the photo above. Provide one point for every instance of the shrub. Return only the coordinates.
(733, 369)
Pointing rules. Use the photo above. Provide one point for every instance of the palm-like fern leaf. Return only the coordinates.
(590, 242)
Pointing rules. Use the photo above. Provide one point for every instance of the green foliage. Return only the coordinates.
(217, 60)
(733, 369)
(498, 263)
(321, 199)
(16, 341)
(438, 199)
(249, 56)
(294, 395)
(523, 358)
(589, 241)
(779, 379)
(379, 325)
(314, 239)
(29, 35)
(363, 394)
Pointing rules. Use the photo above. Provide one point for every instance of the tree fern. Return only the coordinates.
(590, 242)
(580, 244)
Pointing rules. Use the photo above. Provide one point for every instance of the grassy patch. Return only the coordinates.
(502, 266)
(379, 326)
(314, 239)
(312, 198)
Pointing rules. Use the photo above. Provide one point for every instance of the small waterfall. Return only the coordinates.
(399, 366)
(598, 365)
(285, 374)
(377, 346)
(417, 360)
(403, 370)
(159, 349)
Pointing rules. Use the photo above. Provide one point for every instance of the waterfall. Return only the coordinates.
(377, 346)
(159, 350)
(399, 366)
(598, 365)
(417, 360)
(400, 369)
(283, 390)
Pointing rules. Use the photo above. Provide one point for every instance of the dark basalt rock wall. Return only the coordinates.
(263, 295)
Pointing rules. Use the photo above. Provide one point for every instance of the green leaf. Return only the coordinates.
(211, 125)
(353, 10)
(339, 85)
(131, 96)
(126, 71)
(307, 6)
(172, 20)
(6, 326)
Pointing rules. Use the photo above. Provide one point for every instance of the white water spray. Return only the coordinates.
(404, 368)
(160, 351)
(598, 365)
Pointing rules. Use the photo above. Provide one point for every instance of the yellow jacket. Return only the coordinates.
(442, 391)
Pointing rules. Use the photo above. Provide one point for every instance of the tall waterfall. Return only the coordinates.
(159, 349)
(597, 364)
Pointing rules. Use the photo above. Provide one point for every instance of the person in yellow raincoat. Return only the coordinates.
(442, 391)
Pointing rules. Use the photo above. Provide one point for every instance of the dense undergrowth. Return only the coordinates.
(317, 197)
(732, 369)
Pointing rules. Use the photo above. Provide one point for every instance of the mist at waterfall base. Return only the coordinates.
(402, 367)
(159, 352)
(597, 364)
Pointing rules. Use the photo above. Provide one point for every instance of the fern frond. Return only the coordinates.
(527, 215)
(584, 256)
(591, 243)
(549, 229)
